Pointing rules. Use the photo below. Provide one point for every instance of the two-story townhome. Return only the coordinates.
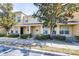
(26, 25)
(29, 25)
(71, 28)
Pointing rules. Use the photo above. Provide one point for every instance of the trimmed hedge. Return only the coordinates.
(45, 37)
(24, 36)
(13, 35)
(2, 35)
(77, 38)
(42, 37)
(59, 37)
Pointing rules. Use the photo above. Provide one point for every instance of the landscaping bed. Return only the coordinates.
(47, 37)
(25, 36)
(2, 35)
(13, 35)
(77, 38)
(42, 37)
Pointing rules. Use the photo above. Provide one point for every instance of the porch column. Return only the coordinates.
(41, 29)
(19, 30)
(29, 29)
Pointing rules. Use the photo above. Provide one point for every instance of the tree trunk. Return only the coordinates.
(51, 32)
(7, 33)
(50, 35)
(52, 28)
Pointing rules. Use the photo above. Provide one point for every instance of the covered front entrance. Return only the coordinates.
(33, 30)
(24, 29)
(21, 30)
(30, 28)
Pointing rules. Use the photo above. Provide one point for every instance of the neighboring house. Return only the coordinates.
(29, 25)
(71, 28)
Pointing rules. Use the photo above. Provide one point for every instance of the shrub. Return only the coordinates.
(2, 35)
(13, 35)
(42, 37)
(45, 37)
(24, 36)
(62, 38)
(77, 38)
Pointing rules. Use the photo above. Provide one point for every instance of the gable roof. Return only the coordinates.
(20, 12)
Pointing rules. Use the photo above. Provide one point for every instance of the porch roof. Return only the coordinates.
(30, 24)
(70, 23)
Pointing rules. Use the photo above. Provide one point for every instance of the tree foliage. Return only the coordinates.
(52, 13)
(7, 19)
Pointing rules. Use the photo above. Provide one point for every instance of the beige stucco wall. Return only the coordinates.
(14, 29)
(26, 30)
(70, 30)
(34, 30)
(75, 30)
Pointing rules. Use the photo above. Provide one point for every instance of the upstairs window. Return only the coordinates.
(25, 19)
(19, 19)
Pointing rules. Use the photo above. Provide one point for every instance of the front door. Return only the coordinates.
(21, 30)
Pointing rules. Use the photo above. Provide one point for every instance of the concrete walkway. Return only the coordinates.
(51, 43)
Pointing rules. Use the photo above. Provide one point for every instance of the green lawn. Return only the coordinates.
(62, 50)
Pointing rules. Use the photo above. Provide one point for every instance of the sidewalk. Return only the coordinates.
(50, 43)
(72, 47)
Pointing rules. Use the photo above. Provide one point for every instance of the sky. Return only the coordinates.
(27, 8)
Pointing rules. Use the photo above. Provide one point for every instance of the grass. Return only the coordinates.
(61, 50)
